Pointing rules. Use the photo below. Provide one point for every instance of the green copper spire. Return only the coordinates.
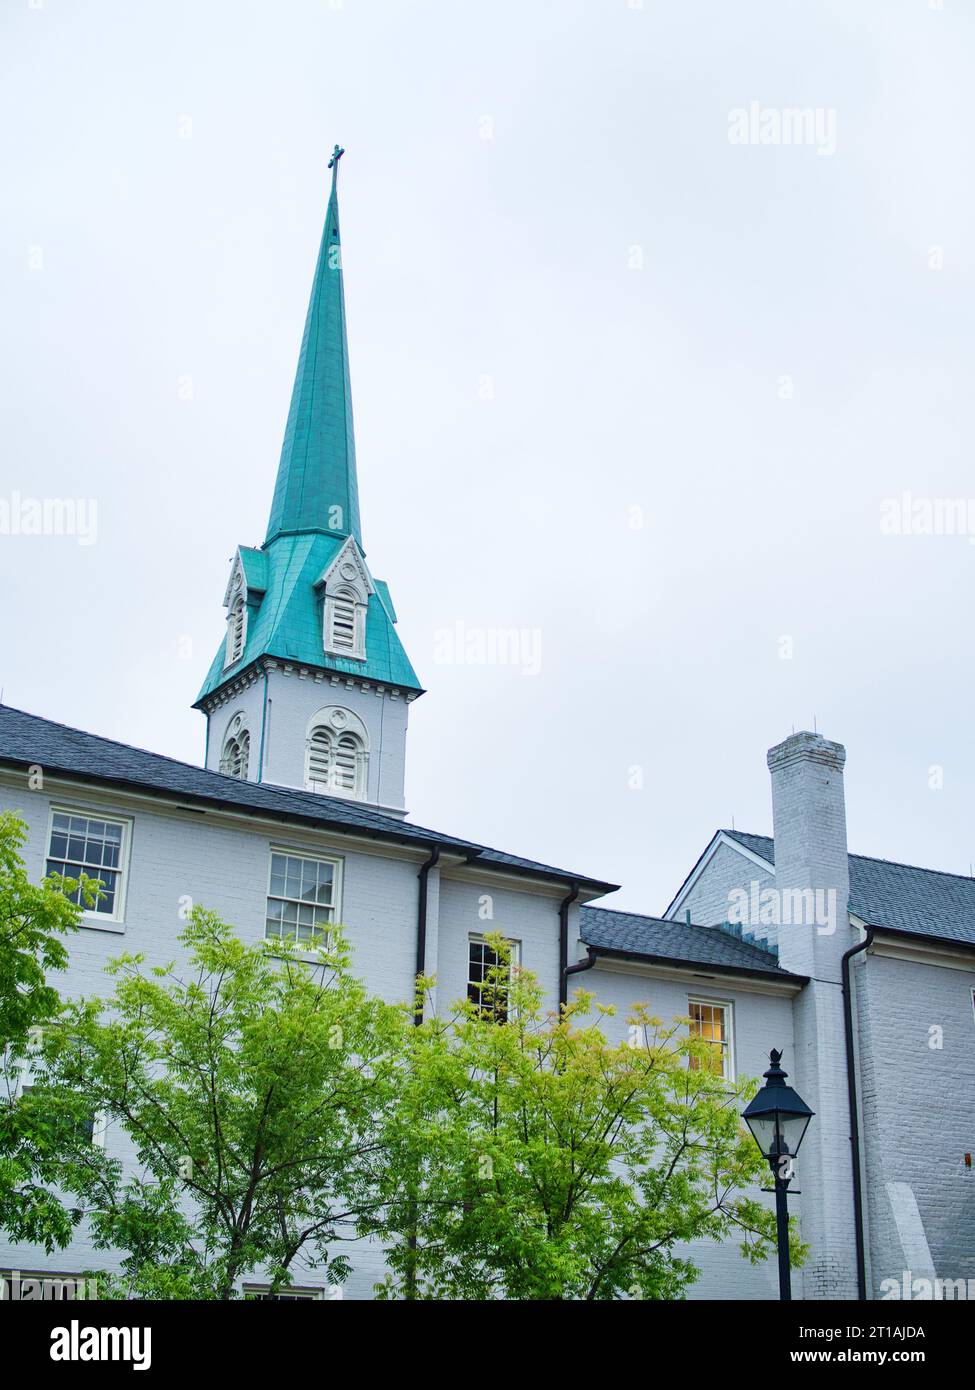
(316, 487)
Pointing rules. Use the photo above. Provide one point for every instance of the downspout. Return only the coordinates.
(564, 906)
(581, 965)
(851, 1082)
(260, 765)
(421, 927)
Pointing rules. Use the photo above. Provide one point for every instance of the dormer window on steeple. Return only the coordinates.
(236, 630)
(345, 624)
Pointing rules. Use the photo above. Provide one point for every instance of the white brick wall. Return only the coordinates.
(917, 1056)
(292, 700)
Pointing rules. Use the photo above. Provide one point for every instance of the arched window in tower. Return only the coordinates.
(236, 631)
(236, 755)
(337, 761)
(345, 623)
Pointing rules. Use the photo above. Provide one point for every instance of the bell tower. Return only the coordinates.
(311, 686)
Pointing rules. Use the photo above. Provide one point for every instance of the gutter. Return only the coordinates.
(851, 1084)
(784, 977)
(421, 927)
(564, 967)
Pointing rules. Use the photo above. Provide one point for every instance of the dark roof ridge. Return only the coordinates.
(867, 858)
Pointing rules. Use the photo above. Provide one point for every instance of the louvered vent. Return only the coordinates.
(343, 625)
(236, 756)
(334, 763)
(235, 632)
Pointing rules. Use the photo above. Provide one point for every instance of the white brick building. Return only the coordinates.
(861, 971)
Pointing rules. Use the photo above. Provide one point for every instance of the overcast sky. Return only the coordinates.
(624, 378)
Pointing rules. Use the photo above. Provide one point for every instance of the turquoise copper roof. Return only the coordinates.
(316, 488)
(285, 604)
(286, 621)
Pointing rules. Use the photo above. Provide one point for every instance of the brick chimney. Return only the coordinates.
(812, 881)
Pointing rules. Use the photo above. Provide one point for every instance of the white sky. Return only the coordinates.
(174, 250)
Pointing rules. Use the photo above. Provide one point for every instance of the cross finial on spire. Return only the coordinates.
(337, 154)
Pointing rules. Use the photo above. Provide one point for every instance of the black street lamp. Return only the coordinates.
(777, 1118)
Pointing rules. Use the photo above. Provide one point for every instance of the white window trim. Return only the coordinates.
(230, 658)
(317, 1295)
(358, 650)
(513, 964)
(729, 1010)
(91, 917)
(99, 1120)
(237, 738)
(338, 884)
(350, 723)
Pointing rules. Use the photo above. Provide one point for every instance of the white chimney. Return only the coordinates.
(812, 883)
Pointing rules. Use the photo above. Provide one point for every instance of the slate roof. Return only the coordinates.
(26, 739)
(655, 938)
(898, 897)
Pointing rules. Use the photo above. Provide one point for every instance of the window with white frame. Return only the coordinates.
(345, 624)
(236, 755)
(81, 844)
(711, 1021)
(487, 993)
(336, 762)
(89, 1128)
(236, 631)
(302, 896)
(289, 1295)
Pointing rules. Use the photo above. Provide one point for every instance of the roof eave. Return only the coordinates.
(782, 976)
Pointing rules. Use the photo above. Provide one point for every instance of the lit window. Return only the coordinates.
(236, 631)
(236, 754)
(87, 845)
(302, 897)
(487, 993)
(712, 1022)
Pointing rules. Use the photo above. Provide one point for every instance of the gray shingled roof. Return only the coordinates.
(26, 739)
(898, 897)
(654, 938)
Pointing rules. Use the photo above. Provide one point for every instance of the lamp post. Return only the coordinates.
(777, 1118)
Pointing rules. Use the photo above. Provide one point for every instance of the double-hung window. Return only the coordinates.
(485, 990)
(711, 1021)
(302, 896)
(93, 845)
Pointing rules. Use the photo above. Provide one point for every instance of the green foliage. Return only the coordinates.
(274, 1109)
(533, 1160)
(34, 920)
(253, 1086)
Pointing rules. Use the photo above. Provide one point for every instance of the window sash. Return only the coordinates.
(80, 843)
(301, 899)
(711, 1020)
(481, 958)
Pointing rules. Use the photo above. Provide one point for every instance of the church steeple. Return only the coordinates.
(316, 488)
(311, 642)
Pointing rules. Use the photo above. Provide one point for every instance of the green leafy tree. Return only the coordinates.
(35, 919)
(253, 1086)
(531, 1159)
